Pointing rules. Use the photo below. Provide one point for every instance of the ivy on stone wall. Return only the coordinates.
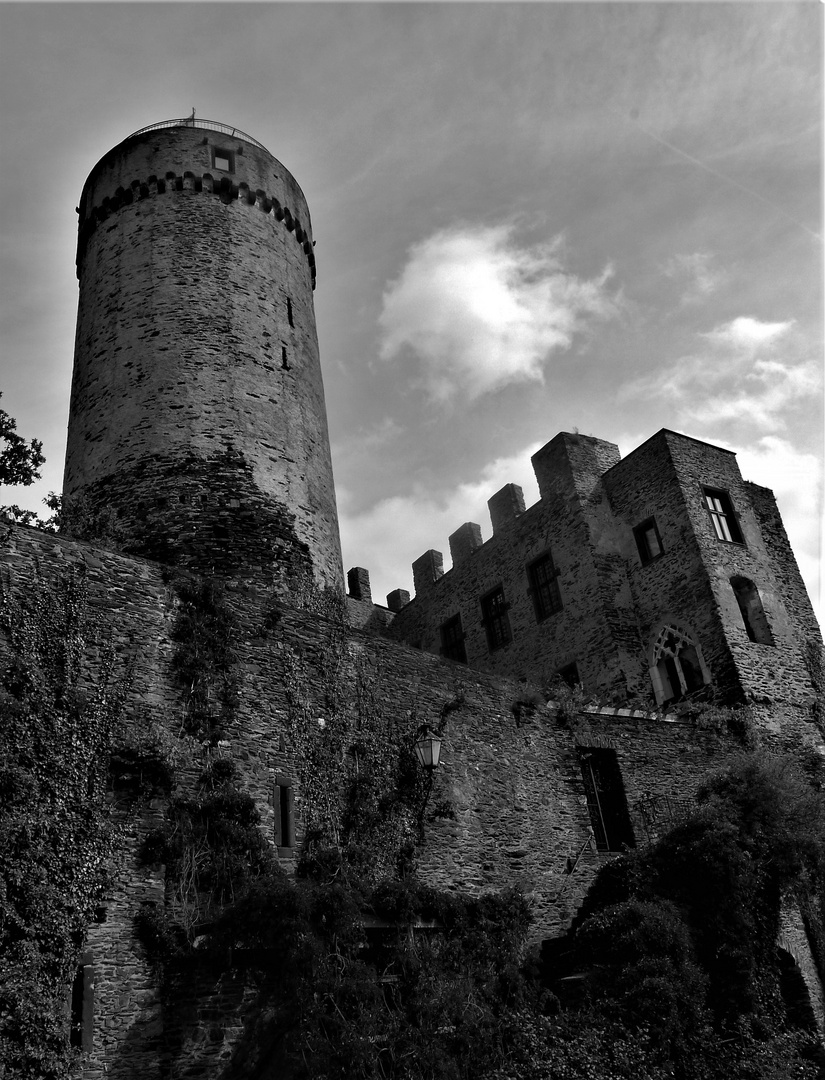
(204, 660)
(61, 698)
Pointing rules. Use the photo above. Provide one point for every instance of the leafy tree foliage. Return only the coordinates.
(678, 940)
(19, 461)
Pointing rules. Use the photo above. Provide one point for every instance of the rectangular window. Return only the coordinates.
(544, 586)
(606, 800)
(284, 814)
(648, 541)
(494, 618)
(452, 640)
(223, 159)
(723, 517)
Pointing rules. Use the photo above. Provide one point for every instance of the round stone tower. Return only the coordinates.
(197, 408)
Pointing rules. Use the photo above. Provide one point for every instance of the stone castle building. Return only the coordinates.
(659, 584)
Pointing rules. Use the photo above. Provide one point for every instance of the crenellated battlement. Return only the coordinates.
(223, 188)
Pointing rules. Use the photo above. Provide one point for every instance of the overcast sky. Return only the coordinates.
(530, 218)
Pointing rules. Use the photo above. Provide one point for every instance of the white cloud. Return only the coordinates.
(747, 373)
(695, 274)
(477, 311)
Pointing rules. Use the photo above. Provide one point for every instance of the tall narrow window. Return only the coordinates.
(494, 618)
(284, 814)
(289, 315)
(452, 640)
(677, 668)
(606, 800)
(722, 516)
(284, 361)
(81, 1007)
(751, 610)
(544, 586)
(648, 541)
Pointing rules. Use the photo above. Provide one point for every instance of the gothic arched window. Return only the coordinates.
(677, 668)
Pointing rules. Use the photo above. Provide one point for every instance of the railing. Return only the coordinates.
(211, 125)
(573, 862)
(658, 813)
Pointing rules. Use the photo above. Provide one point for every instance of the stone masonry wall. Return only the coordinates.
(595, 628)
(690, 583)
(510, 791)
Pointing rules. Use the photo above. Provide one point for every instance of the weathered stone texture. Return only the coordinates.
(615, 605)
(510, 797)
(196, 351)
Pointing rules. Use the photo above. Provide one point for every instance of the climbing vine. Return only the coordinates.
(61, 697)
(205, 662)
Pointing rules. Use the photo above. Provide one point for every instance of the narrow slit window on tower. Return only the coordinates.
(753, 614)
(544, 587)
(494, 617)
(648, 541)
(289, 315)
(452, 640)
(606, 800)
(284, 814)
(223, 159)
(284, 361)
(723, 516)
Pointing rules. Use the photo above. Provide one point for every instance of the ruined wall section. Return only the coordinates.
(197, 408)
(666, 478)
(595, 627)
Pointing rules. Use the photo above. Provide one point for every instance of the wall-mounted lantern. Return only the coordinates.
(427, 748)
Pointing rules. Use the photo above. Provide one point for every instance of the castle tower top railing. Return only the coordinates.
(193, 122)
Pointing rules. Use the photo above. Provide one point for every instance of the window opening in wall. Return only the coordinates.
(753, 614)
(284, 813)
(544, 586)
(677, 669)
(81, 1010)
(723, 516)
(494, 618)
(569, 674)
(289, 312)
(223, 159)
(648, 541)
(606, 800)
(284, 361)
(452, 640)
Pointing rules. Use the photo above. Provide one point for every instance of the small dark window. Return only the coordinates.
(606, 800)
(544, 586)
(452, 640)
(751, 610)
(284, 361)
(223, 159)
(284, 813)
(569, 674)
(648, 541)
(289, 312)
(81, 1010)
(723, 516)
(494, 617)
